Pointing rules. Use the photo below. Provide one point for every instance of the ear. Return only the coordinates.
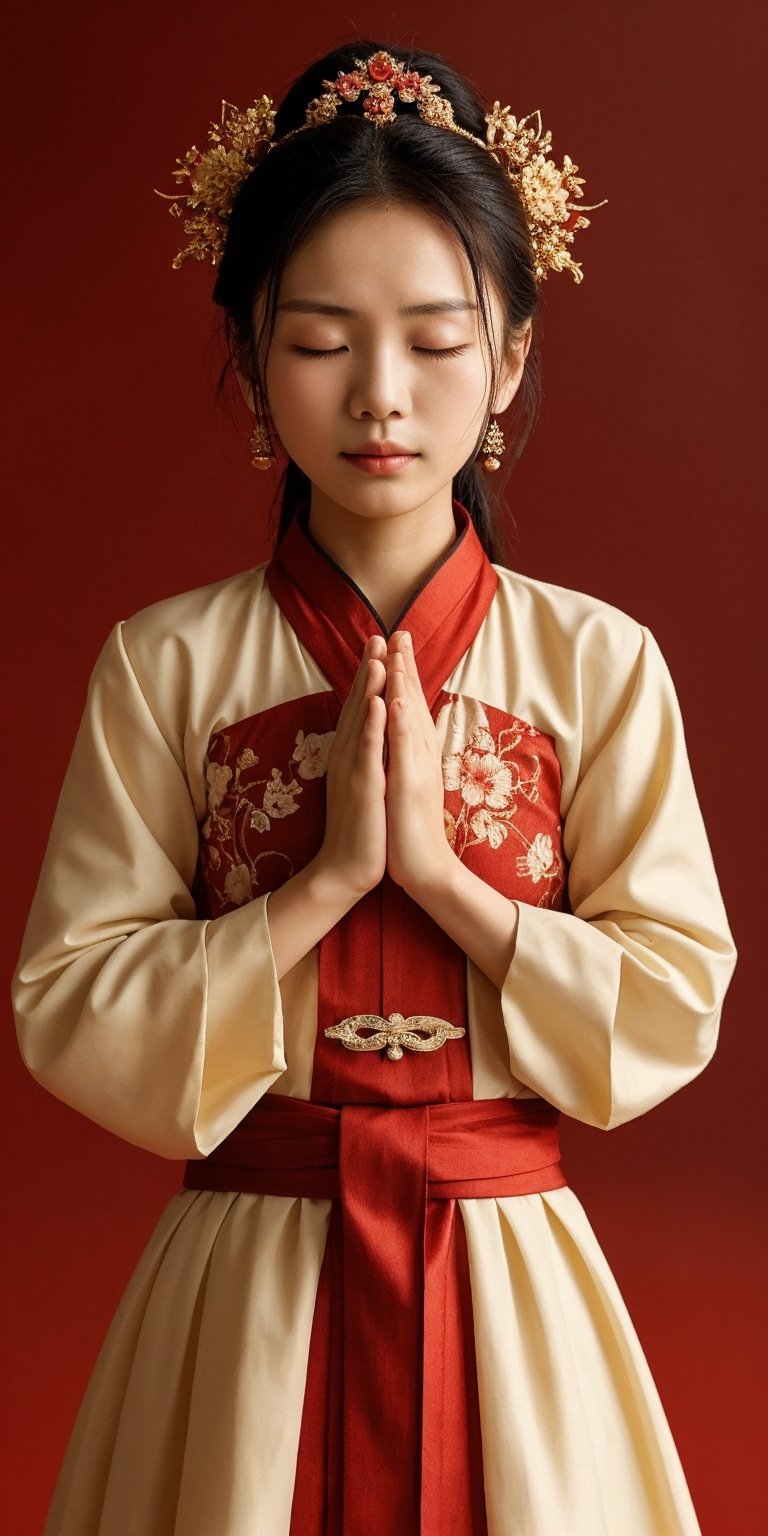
(512, 372)
(241, 361)
(246, 387)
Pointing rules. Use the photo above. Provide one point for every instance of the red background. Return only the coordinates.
(640, 485)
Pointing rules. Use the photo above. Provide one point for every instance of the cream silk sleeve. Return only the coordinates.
(159, 1026)
(611, 1007)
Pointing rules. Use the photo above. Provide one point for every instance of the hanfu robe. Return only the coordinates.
(146, 996)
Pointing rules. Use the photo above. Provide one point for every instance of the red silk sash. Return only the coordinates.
(394, 1175)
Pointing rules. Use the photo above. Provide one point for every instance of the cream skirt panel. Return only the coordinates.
(575, 1438)
(190, 1422)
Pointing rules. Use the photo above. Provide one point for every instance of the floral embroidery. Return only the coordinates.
(217, 779)
(502, 789)
(539, 858)
(237, 885)
(494, 778)
(481, 776)
(488, 776)
(491, 827)
(279, 797)
(311, 753)
(241, 801)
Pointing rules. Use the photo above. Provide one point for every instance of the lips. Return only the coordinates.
(376, 450)
(380, 459)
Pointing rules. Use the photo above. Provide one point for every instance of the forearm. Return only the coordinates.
(474, 914)
(303, 910)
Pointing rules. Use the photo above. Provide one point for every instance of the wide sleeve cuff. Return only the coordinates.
(244, 1051)
(613, 1005)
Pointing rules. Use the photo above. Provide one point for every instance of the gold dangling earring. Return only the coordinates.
(260, 442)
(493, 445)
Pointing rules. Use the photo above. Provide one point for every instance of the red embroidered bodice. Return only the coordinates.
(266, 806)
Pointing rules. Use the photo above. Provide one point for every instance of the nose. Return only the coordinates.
(379, 387)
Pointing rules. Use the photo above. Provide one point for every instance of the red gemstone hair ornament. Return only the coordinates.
(241, 140)
(382, 78)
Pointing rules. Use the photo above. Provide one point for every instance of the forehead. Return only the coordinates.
(375, 254)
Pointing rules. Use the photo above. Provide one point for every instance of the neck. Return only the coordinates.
(386, 556)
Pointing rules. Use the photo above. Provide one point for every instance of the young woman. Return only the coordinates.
(369, 862)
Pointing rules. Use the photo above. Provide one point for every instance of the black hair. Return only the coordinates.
(350, 160)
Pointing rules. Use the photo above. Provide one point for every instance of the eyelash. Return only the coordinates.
(423, 351)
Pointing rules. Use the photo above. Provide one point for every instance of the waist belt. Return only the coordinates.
(382, 1163)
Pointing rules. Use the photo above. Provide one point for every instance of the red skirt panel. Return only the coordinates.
(390, 1436)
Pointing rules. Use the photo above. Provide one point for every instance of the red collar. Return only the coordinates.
(333, 617)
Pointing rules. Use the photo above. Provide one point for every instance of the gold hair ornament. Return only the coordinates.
(241, 139)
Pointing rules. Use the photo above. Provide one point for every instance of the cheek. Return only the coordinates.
(296, 394)
(453, 391)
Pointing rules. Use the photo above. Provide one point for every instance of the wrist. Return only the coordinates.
(302, 910)
(437, 881)
(478, 917)
(327, 886)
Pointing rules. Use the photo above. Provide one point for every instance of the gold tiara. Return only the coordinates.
(241, 139)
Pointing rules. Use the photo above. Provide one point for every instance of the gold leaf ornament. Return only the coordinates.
(380, 83)
(215, 176)
(544, 188)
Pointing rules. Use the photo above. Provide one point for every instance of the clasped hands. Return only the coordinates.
(384, 813)
(385, 790)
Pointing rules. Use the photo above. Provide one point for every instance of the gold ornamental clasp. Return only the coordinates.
(419, 1032)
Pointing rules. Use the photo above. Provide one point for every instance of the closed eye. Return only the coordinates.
(311, 352)
(423, 351)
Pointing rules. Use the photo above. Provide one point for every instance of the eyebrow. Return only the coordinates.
(316, 307)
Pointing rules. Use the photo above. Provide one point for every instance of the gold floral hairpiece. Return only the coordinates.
(241, 139)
